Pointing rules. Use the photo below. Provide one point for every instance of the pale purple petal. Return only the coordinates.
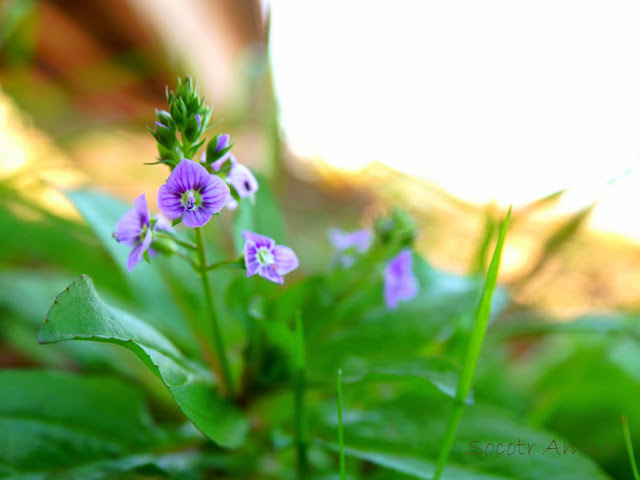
(361, 240)
(232, 203)
(251, 258)
(163, 224)
(223, 141)
(130, 225)
(259, 240)
(285, 259)
(137, 252)
(141, 206)
(128, 228)
(269, 272)
(197, 217)
(339, 238)
(217, 165)
(241, 178)
(188, 175)
(170, 203)
(215, 194)
(399, 281)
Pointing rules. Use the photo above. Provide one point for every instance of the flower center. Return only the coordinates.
(265, 257)
(190, 199)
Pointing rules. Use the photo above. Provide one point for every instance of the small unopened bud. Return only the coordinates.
(164, 245)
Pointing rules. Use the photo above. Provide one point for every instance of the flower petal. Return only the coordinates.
(232, 203)
(339, 238)
(170, 203)
(188, 175)
(251, 258)
(242, 180)
(196, 218)
(217, 165)
(138, 251)
(215, 194)
(285, 259)
(269, 272)
(128, 228)
(259, 240)
(399, 281)
(142, 208)
(223, 141)
(163, 224)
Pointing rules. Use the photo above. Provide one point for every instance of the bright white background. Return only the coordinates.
(492, 100)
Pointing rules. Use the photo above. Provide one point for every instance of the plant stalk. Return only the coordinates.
(299, 387)
(343, 470)
(217, 334)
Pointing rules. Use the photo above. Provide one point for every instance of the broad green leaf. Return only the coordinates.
(437, 371)
(25, 298)
(78, 313)
(413, 467)
(61, 426)
(260, 214)
(407, 432)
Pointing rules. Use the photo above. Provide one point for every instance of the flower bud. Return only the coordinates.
(399, 228)
(164, 245)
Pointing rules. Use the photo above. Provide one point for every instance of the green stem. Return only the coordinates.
(343, 470)
(473, 350)
(180, 242)
(189, 260)
(217, 334)
(627, 441)
(299, 387)
(213, 266)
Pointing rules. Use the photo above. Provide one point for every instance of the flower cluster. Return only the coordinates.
(400, 284)
(195, 191)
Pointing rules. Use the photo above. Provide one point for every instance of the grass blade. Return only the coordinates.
(627, 441)
(473, 350)
(343, 472)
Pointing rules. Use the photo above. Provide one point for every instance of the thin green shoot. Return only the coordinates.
(473, 350)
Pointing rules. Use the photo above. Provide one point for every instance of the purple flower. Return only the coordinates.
(241, 178)
(222, 143)
(348, 244)
(399, 281)
(264, 257)
(191, 193)
(133, 229)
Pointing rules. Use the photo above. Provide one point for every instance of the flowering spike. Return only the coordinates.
(263, 257)
(399, 281)
(192, 194)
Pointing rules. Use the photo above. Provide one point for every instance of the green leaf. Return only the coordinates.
(483, 314)
(404, 434)
(410, 465)
(60, 426)
(260, 214)
(437, 371)
(78, 313)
